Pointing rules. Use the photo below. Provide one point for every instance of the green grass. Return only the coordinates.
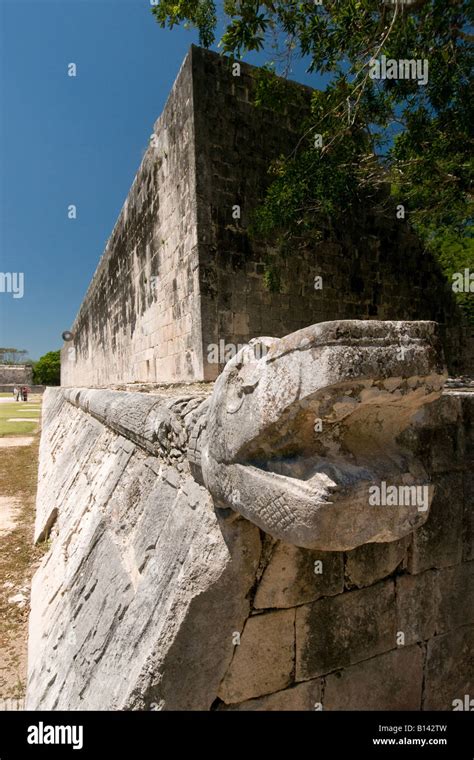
(18, 409)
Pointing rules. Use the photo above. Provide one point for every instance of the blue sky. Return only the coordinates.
(66, 140)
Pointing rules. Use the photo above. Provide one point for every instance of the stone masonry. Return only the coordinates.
(181, 276)
(210, 538)
(156, 595)
(15, 374)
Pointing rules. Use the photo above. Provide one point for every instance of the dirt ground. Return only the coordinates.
(18, 557)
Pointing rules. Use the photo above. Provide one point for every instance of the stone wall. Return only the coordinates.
(15, 374)
(140, 319)
(375, 269)
(150, 597)
(181, 276)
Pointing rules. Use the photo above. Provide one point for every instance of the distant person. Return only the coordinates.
(15, 394)
(24, 392)
(18, 393)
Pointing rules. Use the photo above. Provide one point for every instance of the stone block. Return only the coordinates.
(449, 669)
(438, 543)
(456, 597)
(296, 576)
(338, 631)
(467, 401)
(241, 323)
(468, 516)
(417, 606)
(371, 562)
(263, 662)
(445, 440)
(303, 696)
(391, 681)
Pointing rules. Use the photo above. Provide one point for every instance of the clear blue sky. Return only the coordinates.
(66, 140)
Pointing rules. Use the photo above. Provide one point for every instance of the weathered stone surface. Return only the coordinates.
(441, 434)
(468, 516)
(263, 662)
(146, 584)
(467, 401)
(435, 602)
(456, 597)
(303, 696)
(180, 278)
(124, 605)
(297, 576)
(338, 631)
(438, 543)
(370, 563)
(390, 681)
(449, 669)
(262, 457)
(16, 374)
(417, 606)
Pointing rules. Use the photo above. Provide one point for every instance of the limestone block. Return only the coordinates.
(264, 456)
(141, 566)
(449, 669)
(372, 562)
(435, 602)
(417, 606)
(456, 597)
(264, 660)
(303, 696)
(297, 576)
(438, 543)
(467, 401)
(441, 435)
(468, 516)
(390, 681)
(338, 631)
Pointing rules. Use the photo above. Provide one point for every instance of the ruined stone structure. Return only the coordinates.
(15, 374)
(170, 585)
(298, 534)
(180, 274)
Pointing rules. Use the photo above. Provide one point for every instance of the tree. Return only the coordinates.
(394, 118)
(13, 356)
(47, 370)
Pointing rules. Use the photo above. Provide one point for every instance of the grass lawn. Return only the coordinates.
(19, 409)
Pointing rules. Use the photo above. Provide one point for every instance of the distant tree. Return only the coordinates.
(13, 356)
(47, 370)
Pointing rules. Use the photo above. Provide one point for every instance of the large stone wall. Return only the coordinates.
(15, 374)
(150, 597)
(375, 269)
(181, 275)
(140, 319)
